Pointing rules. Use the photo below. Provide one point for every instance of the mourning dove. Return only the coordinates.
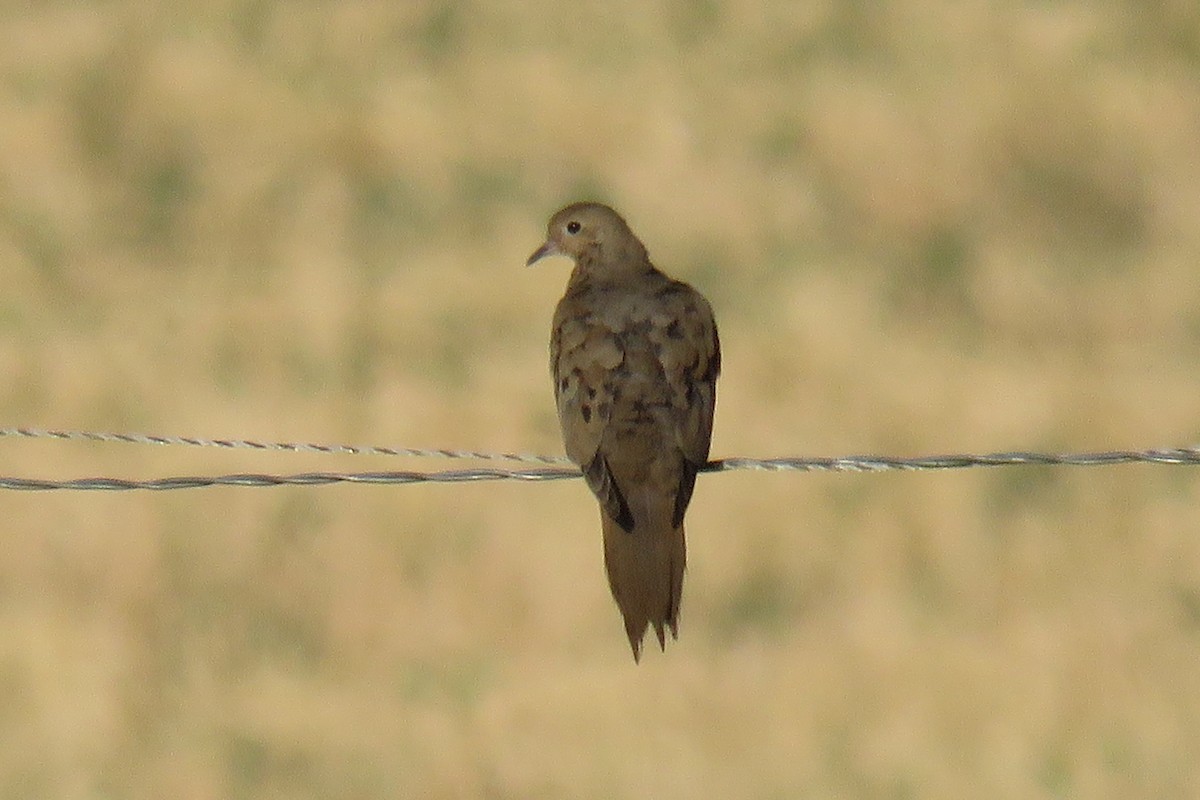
(635, 357)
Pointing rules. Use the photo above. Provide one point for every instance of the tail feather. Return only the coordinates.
(645, 573)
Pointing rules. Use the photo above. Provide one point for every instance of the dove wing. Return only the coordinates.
(584, 354)
(684, 335)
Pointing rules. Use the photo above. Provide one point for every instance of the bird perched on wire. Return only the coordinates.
(635, 358)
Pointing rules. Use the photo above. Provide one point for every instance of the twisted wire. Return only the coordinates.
(289, 447)
(1174, 456)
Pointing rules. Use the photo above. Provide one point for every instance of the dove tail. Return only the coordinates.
(645, 573)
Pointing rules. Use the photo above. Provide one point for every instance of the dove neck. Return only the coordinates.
(600, 267)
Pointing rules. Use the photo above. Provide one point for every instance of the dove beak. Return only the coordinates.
(548, 249)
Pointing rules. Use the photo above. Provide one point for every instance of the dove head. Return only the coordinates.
(595, 237)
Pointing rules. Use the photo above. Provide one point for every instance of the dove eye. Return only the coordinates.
(573, 227)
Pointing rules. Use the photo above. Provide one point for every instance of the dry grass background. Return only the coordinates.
(925, 226)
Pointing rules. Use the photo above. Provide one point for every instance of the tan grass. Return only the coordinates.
(925, 227)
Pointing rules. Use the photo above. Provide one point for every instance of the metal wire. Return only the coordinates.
(1181, 455)
(1178, 456)
(301, 479)
(290, 447)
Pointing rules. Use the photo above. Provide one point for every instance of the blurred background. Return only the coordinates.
(925, 227)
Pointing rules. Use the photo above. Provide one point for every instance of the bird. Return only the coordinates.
(635, 357)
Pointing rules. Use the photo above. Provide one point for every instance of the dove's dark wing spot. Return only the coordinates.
(602, 483)
(687, 482)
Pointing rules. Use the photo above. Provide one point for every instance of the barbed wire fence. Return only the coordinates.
(548, 467)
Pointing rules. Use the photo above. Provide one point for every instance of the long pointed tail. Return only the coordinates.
(645, 572)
